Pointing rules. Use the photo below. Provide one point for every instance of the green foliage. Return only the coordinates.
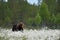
(29, 21)
(48, 13)
(58, 18)
(7, 21)
(44, 11)
(51, 5)
(53, 19)
(58, 6)
(37, 19)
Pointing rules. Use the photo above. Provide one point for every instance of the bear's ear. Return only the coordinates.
(22, 24)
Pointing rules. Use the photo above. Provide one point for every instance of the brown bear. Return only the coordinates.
(18, 27)
(14, 27)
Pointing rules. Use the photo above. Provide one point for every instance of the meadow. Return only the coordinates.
(42, 34)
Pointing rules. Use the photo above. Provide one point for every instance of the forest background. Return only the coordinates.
(45, 14)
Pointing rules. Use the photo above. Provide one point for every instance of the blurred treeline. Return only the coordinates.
(33, 16)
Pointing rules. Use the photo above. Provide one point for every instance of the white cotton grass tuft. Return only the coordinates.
(7, 34)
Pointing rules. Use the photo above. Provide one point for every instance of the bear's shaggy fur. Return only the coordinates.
(18, 27)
